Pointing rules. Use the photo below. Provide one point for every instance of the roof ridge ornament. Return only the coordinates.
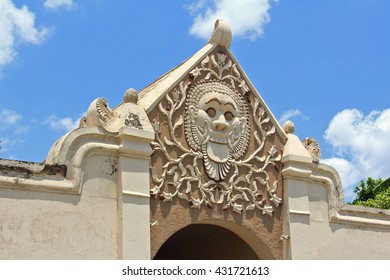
(222, 34)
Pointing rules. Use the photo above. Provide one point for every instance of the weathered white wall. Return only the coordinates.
(43, 225)
(317, 223)
(361, 234)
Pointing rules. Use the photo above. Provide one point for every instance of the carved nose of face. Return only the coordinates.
(220, 125)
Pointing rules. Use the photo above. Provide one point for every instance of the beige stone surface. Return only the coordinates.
(42, 225)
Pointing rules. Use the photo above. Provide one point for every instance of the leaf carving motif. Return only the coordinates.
(249, 186)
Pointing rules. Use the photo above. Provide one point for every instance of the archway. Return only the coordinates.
(205, 242)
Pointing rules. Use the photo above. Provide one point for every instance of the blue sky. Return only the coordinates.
(323, 64)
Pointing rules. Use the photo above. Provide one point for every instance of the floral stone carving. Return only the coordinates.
(217, 131)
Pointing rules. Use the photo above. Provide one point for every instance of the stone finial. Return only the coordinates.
(222, 34)
(98, 113)
(313, 148)
(289, 127)
(131, 96)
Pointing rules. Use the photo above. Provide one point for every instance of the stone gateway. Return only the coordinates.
(193, 166)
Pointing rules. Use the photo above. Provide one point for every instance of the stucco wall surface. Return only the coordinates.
(359, 233)
(43, 225)
(318, 225)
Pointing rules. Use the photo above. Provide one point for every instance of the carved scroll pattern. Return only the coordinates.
(220, 66)
(249, 186)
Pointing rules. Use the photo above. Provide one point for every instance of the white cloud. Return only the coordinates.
(10, 128)
(9, 117)
(290, 114)
(197, 5)
(66, 124)
(17, 25)
(361, 145)
(22, 130)
(247, 18)
(58, 4)
(10, 122)
(7, 145)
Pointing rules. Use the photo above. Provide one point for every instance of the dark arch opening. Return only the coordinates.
(205, 242)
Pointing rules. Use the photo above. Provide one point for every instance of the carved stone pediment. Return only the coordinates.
(216, 142)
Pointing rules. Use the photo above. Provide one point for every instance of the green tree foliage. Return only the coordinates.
(373, 193)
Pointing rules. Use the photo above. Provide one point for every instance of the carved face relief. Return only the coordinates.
(217, 125)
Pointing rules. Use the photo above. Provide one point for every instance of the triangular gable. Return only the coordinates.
(151, 95)
(217, 143)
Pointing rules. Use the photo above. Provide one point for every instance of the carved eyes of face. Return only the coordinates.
(229, 116)
(211, 112)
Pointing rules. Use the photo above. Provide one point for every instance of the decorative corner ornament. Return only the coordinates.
(217, 130)
(222, 34)
(98, 114)
(313, 148)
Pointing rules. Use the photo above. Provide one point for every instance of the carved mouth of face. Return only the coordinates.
(227, 137)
